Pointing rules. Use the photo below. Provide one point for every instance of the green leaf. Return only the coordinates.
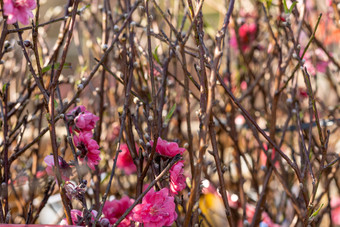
(47, 116)
(56, 65)
(4, 87)
(269, 3)
(169, 115)
(155, 55)
(55, 104)
(316, 212)
(285, 6)
(292, 7)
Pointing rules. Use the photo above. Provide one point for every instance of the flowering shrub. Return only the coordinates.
(125, 161)
(177, 179)
(157, 209)
(169, 113)
(88, 149)
(168, 149)
(114, 209)
(19, 10)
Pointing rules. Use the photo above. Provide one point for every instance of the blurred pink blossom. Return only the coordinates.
(65, 169)
(247, 34)
(157, 209)
(263, 156)
(265, 219)
(114, 209)
(329, 2)
(89, 149)
(115, 131)
(177, 179)
(19, 10)
(316, 61)
(302, 93)
(169, 149)
(335, 212)
(125, 161)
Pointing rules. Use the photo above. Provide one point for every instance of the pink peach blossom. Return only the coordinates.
(65, 169)
(247, 34)
(89, 149)
(169, 149)
(115, 131)
(114, 209)
(316, 61)
(177, 179)
(157, 209)
(335, 210)
(86, 121)
(19, 10)
(125, 161)
(302, 93)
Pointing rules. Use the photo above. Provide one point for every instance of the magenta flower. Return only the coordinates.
(89, 149)
(177, 179)
(114, 209)
(335, 211)
(169, 149)
(157, 209)
(265, 219)
(316, 62)
(86, 121)
(247, 34)
(125, 161)
(83, 120)
(19, 10)
(65, 168)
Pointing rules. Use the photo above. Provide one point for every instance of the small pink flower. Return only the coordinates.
(247, 34)
(125, 161)
(77, 216)
(89, 149)
(177, 179)
(316, 61)
(81, 119)
(19, 10)
(302, 93)
(265, 219)
(65, 169)
(157, 209)
(169, 149)
(115, 131)
(86, 121)
(114, 209)
(335, 212)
